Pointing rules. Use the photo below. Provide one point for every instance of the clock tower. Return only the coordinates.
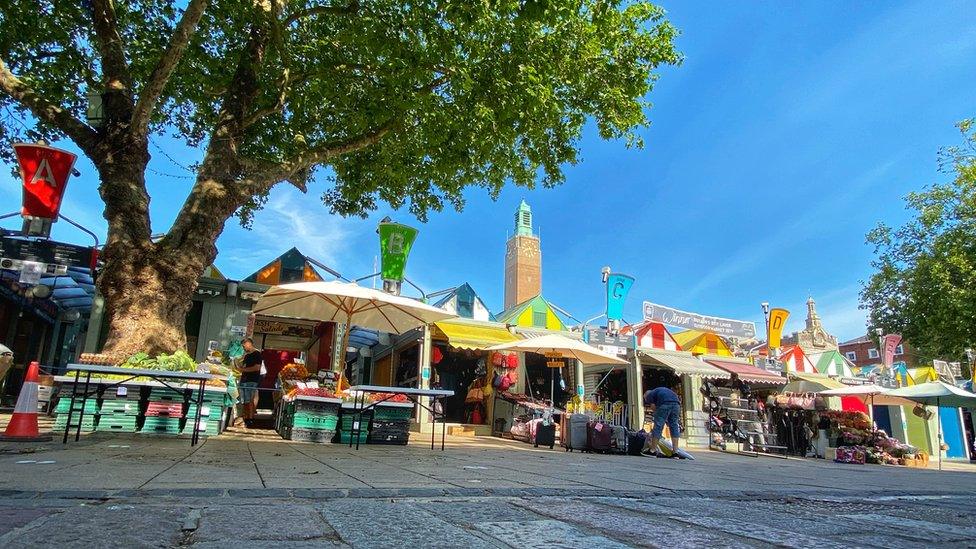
(523, 260)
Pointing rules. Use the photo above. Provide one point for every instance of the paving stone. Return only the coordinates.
(468, 513)
(13, 518)
(377, 523)
(545, 534)
(112, 525)
(632, 528)
(262, 523)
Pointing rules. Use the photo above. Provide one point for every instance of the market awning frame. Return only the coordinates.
(681, 363)
(747, 372)
(462, 335)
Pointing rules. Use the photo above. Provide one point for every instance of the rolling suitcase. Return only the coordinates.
(545, 435)
(573, 431)
(618, 439)
(635, 442)
(598, 436)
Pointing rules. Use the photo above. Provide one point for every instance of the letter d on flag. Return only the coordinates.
(618, 286)
(395, 243)
(777, 321)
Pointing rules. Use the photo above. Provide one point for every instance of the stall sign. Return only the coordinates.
(616, 345)
(395, 242)
(693, 321)
(853, 380)
(770, 365)
(277, 327)
(44, 171)
(618, 286)
(48, 251)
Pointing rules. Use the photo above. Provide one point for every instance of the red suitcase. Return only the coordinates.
(599, 436)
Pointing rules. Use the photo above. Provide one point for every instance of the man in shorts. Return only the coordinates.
(666, 406)
(250, 368)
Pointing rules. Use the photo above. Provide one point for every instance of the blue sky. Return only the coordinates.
(788, 132)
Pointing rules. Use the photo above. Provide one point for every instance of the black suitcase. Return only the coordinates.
(545, 435)
(635, 442)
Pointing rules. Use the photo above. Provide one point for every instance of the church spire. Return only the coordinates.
(813, 319)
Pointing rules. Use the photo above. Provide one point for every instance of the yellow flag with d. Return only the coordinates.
(777, 320)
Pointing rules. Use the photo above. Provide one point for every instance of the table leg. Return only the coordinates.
(433, 422)
(359, 423)
(84, 402)
(71, 407)
(195, 436)
(443, 432)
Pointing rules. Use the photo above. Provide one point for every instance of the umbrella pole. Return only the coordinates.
(938, 413)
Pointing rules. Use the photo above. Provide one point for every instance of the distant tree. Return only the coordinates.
(408, 103)
(925, 281)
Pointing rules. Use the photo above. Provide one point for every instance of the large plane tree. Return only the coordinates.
(406, 103)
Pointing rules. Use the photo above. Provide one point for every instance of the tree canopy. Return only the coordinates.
(924, 286)
(446, 94)
(408, 103)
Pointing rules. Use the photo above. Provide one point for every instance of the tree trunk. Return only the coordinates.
(147, 296)
(147, 289)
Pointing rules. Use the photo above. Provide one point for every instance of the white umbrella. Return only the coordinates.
(877, 394)
(938, 394)
(561, 346)
(348, 304)
(557, 346)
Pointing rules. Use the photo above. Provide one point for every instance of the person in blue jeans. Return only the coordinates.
(667, 409)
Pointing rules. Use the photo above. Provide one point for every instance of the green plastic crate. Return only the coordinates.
(207, 411)
(161, 425)
(117, 423)
(390, 413)
(87, 424)
(207, 428)
(119, 407)
(346, 436)
(91, 406)
(308, 421)
(161, 394)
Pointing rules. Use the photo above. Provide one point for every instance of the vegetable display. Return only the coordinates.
(315, 392)
(294, 372)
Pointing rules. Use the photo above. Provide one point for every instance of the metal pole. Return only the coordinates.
(938, 412)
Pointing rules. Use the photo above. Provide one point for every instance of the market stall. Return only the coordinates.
(556, 349)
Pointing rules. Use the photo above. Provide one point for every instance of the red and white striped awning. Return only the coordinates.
(653, 335)
(795, 360)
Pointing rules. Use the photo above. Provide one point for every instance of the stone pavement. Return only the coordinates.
(138, 490)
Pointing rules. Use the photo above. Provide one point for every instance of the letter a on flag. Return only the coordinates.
(45, 171)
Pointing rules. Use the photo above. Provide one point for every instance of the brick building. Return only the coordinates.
(863, 351)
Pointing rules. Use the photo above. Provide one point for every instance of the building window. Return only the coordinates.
(873, 353)
(899, 350)
(539, 319)
(851, 355)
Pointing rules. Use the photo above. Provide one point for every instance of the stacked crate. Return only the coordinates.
(210, 414)
(164, 411)
(87, 422)
(119, 411)
(311, 419)
(346, 421)
(390, 425)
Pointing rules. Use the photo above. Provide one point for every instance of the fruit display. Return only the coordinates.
(388, 397)
(294, 372)
(315, 392)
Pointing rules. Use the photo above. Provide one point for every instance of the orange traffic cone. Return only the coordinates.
(23, 423)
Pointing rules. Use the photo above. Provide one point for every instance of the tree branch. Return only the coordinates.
(351, 9)
(115, 69)
(166, 65)
(83, 135)
(321, 154)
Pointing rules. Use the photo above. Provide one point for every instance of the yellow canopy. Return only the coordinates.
(698, 342)
(464, 335)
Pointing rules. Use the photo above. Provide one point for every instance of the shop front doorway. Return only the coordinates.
(542, 381)
(457, 371)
